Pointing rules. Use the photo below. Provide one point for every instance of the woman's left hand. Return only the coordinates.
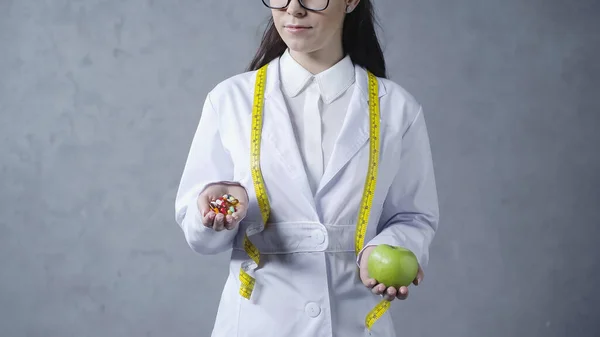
(379, 288)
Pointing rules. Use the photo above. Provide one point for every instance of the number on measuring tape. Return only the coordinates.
(376, 313)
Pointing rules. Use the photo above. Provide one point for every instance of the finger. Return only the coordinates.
(240, 211)
(419, 277)
(390, 293)
(203, 204)
(219, 222)
(208, 219)
(402, 293)
(229, 222)
(366, 280)
(370, 283)
(378, 289)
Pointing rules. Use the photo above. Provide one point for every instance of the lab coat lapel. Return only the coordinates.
(354, 133)
(278, 131)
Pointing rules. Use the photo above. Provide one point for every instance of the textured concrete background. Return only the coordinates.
(99, 100)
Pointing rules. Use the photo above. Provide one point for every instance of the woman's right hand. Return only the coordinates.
(219, 221)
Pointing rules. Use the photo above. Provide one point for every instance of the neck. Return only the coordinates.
(319, 60)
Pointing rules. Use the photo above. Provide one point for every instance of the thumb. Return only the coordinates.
(240, 211)
(419, 277)
(203, 204)
(364, 277)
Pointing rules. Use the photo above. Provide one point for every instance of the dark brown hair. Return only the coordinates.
(359, 40)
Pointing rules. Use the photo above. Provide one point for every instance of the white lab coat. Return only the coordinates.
(308, 283)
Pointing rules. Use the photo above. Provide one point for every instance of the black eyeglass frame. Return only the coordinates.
(301, 4)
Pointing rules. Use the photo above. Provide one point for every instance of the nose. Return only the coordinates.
(295, 9)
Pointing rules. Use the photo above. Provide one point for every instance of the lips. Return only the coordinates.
(296, 27)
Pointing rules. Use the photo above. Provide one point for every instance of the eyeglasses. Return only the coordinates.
(311, 5)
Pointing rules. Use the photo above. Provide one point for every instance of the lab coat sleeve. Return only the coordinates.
(208, 162)
(410, 212)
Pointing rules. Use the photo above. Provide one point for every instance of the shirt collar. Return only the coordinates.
(332, 82)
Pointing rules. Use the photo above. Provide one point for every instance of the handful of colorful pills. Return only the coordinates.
(224, 205)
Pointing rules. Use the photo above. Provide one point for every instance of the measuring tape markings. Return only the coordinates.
(247, 281)
(369, 190)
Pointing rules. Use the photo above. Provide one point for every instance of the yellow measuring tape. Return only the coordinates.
(369, 189)
(247, 281)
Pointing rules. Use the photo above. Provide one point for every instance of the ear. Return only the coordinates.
(351, 5)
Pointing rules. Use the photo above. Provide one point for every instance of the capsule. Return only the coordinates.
(224, 205)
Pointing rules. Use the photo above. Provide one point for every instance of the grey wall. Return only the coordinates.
(99, 101)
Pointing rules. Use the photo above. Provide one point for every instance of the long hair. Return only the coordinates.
(359, 41)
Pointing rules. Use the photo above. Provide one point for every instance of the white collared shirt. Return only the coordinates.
(317, 105)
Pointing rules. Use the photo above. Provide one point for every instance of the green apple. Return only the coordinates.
(392, 266)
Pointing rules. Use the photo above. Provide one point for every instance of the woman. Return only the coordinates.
(328, 159)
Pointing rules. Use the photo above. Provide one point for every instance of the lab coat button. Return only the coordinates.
(312, 309)
(319, 237)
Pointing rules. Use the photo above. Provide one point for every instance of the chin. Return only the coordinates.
(300, 46)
